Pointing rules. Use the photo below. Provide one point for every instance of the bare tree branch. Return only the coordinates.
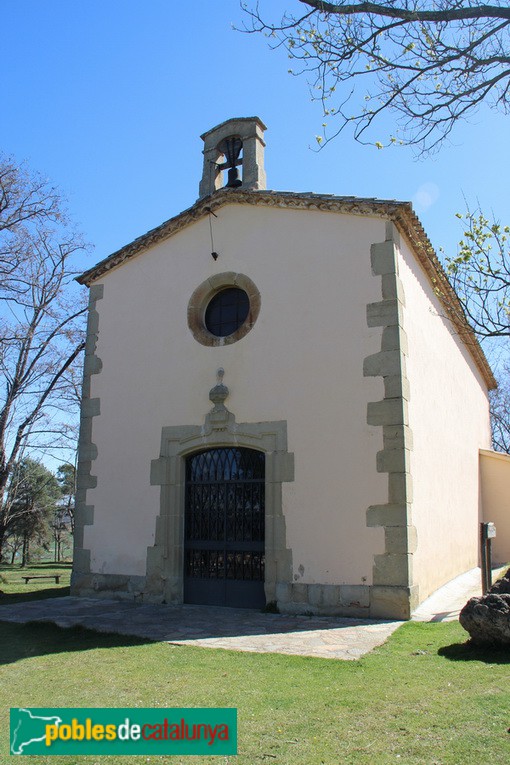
(41, 323)
(449, 14)
(429, 62)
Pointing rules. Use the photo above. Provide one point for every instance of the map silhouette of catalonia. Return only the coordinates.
(29, 729)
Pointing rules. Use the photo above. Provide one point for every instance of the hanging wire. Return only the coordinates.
(211, 213)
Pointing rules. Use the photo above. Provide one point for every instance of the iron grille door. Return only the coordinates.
(224, 528)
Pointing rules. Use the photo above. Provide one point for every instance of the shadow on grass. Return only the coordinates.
(9, 598)
(25, 641)
(469, 652)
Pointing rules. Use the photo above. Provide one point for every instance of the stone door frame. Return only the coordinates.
(165, 560)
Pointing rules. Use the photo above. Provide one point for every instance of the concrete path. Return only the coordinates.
(445, 604)
(240, 629)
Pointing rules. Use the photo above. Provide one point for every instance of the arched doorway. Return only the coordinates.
(224, 528)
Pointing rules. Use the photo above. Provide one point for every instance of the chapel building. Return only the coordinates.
(283, 405)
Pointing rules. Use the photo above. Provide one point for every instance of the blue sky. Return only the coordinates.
(108, 99)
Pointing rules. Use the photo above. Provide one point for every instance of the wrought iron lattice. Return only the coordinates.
(225, 514)
(227, 311)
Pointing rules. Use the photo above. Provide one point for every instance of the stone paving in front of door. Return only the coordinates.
(236, 629)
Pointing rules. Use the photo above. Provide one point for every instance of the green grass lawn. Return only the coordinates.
(423, 697)
(14, 590)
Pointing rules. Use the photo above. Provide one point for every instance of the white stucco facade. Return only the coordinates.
(301, 363)
(449, 419)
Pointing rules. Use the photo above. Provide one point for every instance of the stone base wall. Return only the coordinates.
(114, 586)
(352, 600)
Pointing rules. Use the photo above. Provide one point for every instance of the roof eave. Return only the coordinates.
(325, 202)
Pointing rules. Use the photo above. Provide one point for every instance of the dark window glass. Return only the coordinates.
(227, 311)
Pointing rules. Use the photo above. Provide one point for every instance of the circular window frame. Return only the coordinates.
(201, 298)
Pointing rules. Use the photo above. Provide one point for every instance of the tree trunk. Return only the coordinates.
(24, 554)
(2, 537)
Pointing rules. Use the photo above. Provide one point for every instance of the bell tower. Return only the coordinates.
(238, 142)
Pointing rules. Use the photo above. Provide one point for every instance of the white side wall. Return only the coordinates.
(302, 362)
(449, 419)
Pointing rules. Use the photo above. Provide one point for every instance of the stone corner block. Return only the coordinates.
(394, 338)
(88, 451)
(86, 481)
(390, 602)
(383, 258)
(96, 292)
(90, 407)
(94, 365)
(397, 386)
(81, 562)
(397, 437)
(393, 460)
(400, 488)
(393, 569)
(392, 233)
(87, 515)
(392, 288)
(388, 515)
(387, 412)
(400, 539)
(382, 364)
(384, 313)
(414, 597)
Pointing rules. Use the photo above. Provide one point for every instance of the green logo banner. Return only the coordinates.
(100, 731)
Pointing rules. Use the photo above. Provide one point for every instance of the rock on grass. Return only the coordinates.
(487, 619)
(502, 586)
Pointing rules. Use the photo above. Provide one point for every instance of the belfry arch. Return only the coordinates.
(236, 142)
